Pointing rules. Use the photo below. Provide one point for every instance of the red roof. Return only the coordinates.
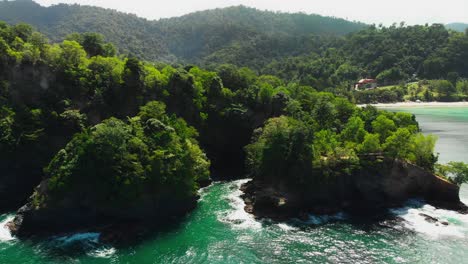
(364, 81)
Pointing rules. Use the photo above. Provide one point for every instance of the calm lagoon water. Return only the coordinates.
(219, 231)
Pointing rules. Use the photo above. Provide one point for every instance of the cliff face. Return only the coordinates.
(406, 181)
(30, 221)
(388, 184)
(78, 215)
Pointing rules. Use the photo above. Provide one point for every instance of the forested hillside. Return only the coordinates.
(188, 38)
(118, 139)
(51, 92)
(328, 54)
(390, 54)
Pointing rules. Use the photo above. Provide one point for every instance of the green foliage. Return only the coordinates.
(391, 76)
(7, 118)
(324, 112)
(72, 54)
(407, 120)
(74, 119)
(453, 77)
(380, 95)
(368, 136)
(445, 88)
(328, 54)
(186, 38)
(234, 78)
(371, 144)
(422, 151)
(354, 130)
(75, 110)
(389, 54)
(325, 143)
(456, 172)
(23, 31)
(151, 110)
(462, 86)
(120, 163)
(281, 150)
(383, 126)
(398, 144)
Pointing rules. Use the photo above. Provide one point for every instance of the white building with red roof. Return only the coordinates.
(366, 84)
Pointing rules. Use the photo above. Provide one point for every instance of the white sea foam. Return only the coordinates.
(88, 242)
(106, 252)
(203, 192)
(237, 216)
(414, 216)
(5, 234)
(287, 227)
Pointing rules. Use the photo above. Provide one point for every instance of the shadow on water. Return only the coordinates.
(75, 245)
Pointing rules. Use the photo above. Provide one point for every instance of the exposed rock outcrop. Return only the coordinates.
(111, 222)
(73, 215)
(31, 221)
(368, 190)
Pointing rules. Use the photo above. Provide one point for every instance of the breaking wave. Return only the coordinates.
(237, 216)
(432, 222)
(5, 234)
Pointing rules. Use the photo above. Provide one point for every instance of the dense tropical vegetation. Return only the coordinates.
(334, 139)
(456, 172)
(109, 131)
(121, 163)
(392, 55)
(442, 90)
(188, 38)
(328, 54)
(50, 92)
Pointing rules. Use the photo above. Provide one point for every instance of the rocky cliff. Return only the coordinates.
(368, 190)
(73, 215)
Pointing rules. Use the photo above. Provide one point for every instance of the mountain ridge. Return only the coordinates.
(179, 39)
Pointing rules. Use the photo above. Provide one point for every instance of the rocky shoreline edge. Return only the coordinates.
(114, 229)
(370, 195)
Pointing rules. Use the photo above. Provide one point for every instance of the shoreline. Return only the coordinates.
(416, 104)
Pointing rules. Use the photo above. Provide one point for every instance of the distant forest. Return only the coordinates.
(329, 54)
(189, 38)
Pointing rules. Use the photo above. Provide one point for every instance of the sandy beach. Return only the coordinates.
(419, 104)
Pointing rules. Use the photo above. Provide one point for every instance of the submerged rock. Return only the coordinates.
(429, 218)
